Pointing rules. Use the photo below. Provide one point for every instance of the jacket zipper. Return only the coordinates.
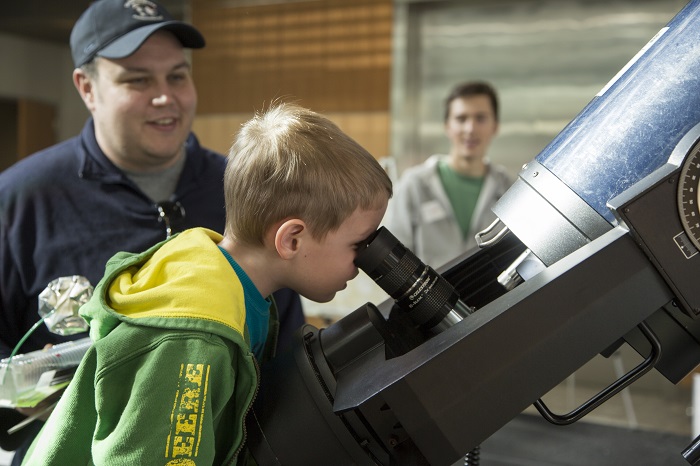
(247, 411)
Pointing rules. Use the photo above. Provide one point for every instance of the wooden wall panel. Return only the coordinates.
(36, 123)
(328, 55)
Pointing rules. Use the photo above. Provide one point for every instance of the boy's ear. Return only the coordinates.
(289, 237)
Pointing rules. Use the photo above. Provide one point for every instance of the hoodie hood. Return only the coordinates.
(170, 286)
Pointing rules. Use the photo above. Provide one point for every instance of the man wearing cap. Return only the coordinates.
(135, 174)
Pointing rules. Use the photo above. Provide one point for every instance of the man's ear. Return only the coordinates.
(85, 88)
(289, 237)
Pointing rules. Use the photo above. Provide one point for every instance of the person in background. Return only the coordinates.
(440, 205)
(179, 330)
(135, 175)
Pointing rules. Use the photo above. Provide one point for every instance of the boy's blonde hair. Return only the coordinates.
(291, 162)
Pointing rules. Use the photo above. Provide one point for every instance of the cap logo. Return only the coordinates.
(144, 10)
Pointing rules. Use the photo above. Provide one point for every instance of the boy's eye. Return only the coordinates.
(359, 246)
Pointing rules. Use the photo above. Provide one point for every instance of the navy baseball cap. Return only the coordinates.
(117, 28)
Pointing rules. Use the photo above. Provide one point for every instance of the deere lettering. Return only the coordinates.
(188, 412)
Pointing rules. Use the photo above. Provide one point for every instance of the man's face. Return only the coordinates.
(143, 105)
(470, 127)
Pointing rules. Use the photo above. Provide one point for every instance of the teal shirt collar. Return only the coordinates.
(257, 308)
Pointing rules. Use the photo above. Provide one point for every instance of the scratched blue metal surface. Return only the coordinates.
(631, 127)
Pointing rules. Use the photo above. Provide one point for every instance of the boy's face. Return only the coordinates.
(327, 265)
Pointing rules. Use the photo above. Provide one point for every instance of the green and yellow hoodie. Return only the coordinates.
(170, 376)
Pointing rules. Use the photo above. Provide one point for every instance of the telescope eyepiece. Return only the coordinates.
(431, 302)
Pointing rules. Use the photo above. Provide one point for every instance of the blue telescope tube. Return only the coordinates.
(633, 124)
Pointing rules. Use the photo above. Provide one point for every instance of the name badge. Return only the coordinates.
(432, 211)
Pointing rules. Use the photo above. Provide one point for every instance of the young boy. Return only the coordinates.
(178, 328)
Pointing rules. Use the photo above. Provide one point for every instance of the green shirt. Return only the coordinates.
(462, 191)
